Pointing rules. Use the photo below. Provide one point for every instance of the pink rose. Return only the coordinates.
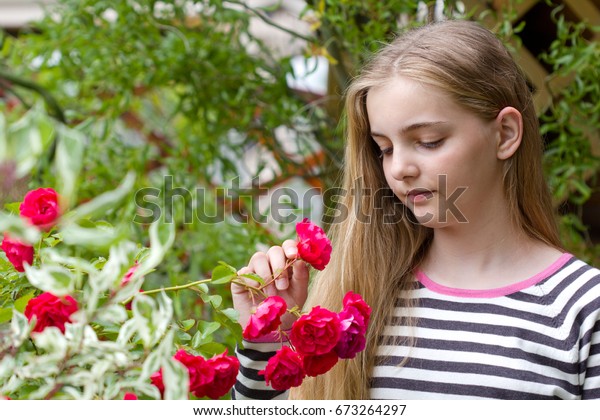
(318, 365)
(353, 328)
(226, 370)
(284, 370)
(17, 253)
(356, 300)
(200, 372)
(316, 333)
(157, 380)
(266, 319)
(50, 311)
(129, 274)
(130, 396)
(40, 208)
(313, 245)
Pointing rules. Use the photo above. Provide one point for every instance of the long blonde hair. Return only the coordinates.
(376, 242)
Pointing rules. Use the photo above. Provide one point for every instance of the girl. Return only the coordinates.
(456, 249)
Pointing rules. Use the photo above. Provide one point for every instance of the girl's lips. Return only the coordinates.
(419, 195)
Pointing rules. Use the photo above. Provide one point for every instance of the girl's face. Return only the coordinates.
(439, 159)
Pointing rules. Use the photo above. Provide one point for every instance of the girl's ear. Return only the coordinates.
(510, 129)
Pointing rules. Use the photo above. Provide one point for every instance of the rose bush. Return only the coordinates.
(83, 328)
(75, 321)
(88, 330)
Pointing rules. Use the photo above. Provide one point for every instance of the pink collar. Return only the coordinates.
(492, 293)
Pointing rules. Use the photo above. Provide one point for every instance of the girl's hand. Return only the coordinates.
(291, 284)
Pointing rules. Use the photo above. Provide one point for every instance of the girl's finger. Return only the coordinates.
(259, 264)
(290, 248)
(278, 260)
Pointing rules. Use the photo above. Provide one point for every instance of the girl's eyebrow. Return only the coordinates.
(414, 127)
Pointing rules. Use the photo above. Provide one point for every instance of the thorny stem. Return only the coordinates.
(237, 280)
(53, 391)
(171, 289)
(257, 290)
(288, 264)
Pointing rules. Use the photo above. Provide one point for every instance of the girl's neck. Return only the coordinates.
(489, 253)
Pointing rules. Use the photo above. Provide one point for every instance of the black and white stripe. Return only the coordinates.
(542, 342)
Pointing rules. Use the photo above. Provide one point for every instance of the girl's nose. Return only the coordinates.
(403, 166)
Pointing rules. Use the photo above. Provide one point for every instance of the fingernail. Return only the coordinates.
(281, 284)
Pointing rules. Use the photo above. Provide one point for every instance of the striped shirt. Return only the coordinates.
(536, 339)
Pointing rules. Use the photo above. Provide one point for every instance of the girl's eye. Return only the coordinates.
(385, 152)
(431, 144)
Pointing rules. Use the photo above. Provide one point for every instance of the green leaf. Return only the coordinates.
(21, 303)
(80, 264)
(19, 327)
(29, 138)
(53, 341)
(13, 207)
(51, 278)
(104, 203)
(112, 314)
(222, 274)
(231, 314)
(151, 364)
(68, 161)
(231, 268)
(187, 324)
(214, 300)
(183, 337)
(196, 340)
(5, 315)
(255, 277)
(143, 307)
(100, 237)
(162, 236)
(176, 380)
(204, 333)
(211, 349)
(119, 261)
(127, 331)
(7, 366)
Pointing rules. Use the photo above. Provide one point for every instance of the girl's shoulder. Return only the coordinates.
(574, 272)
(576, 284)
